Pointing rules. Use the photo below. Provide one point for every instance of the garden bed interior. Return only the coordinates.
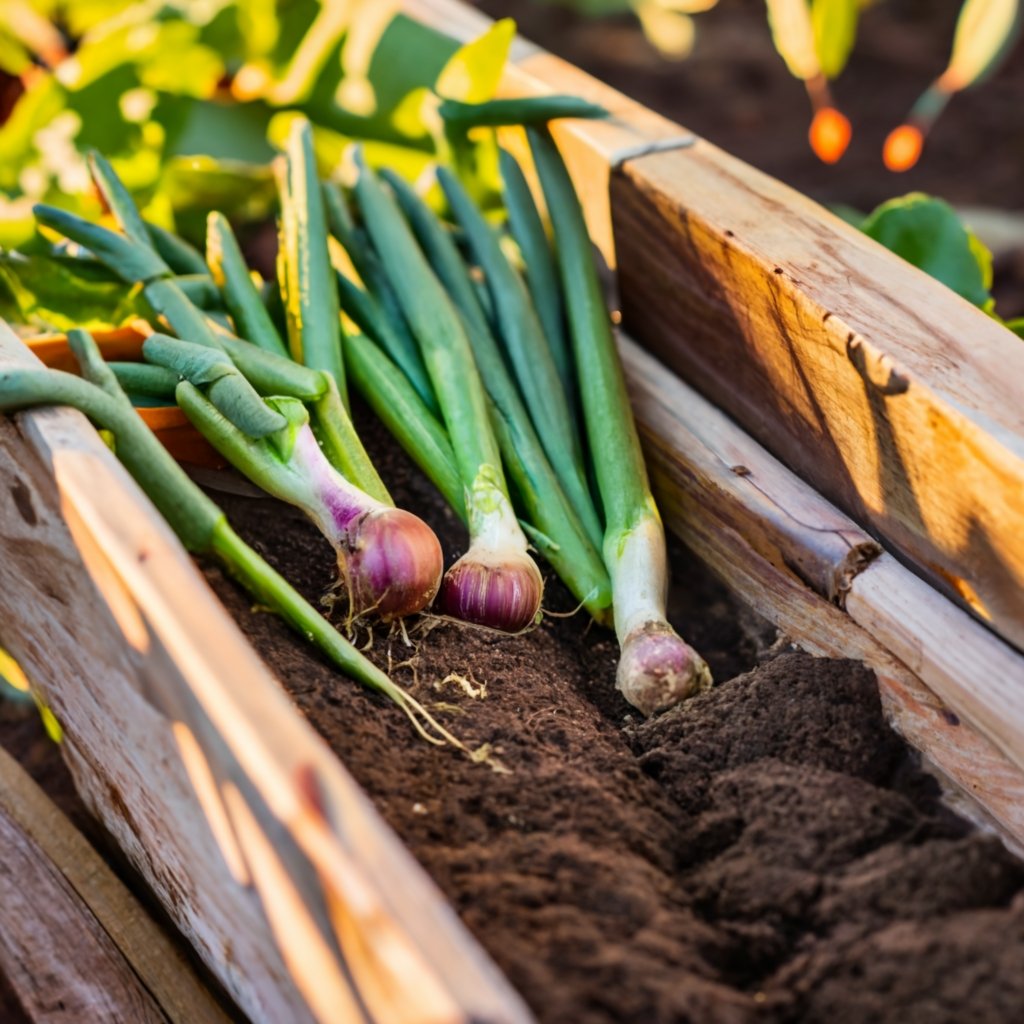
(770, 851)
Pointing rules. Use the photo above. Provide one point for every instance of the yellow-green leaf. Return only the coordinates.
(793, 36)
(985, 31)
(474, 70)
(835, 29)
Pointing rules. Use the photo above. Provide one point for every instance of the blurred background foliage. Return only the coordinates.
(188, 98)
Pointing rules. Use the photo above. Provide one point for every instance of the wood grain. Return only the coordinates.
(892, 396)
(975, 673)
(777, 544)
(721, 467)
(111, 619)
(56, 956)
(71, 870)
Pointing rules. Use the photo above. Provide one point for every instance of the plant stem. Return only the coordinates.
(181, 257)
(567, 547)
(522, 110)
(539, 266)
(388, 392)
(529, 354)
(146, 381)
(390, 328)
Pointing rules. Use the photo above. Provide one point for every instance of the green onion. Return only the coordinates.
(118, 200)
(145, 381)
(529, 354)
(135, 264)
(561, 538)
(495, 583)
(304, 268)
(539, 266)
(657, 668)
(200, 290)
(521, 110)
(225, 386)
(388, 392)
(241, 297)
(181, 257)
(392, 331)
(389, 561)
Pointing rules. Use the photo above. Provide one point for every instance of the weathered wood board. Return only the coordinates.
(892, 396)
(263, 850)
(75, 945)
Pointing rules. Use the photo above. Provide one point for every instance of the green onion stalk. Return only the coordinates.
(657, 668)
(241, 296)
(539, 268)
(304, 268)
(379, 302)
(201, 526)
(495, 583)
(528, 353)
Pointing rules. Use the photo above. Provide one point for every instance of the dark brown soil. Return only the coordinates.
(735, 91)
(769, 852)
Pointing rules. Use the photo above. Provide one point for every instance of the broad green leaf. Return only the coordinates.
(59, 292)
(793, 36)
(985, 31)
(927, 232)
(474, 70)
(408, 57)
(1016, 325)
(835, 29)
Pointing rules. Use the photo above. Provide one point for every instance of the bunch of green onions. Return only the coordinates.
(504, 386)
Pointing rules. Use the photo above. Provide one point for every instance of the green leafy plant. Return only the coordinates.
(928, 233)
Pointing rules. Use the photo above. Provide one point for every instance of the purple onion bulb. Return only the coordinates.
(658, 668)
(500, 591)
(390, 562)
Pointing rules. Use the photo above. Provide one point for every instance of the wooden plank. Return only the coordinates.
(971, 670)
(199, 765)
(168, 979)
(56, 957)
(749, 528)
(781, 517)
(892, 396)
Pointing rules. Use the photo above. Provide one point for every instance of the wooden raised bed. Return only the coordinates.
(263, 849)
